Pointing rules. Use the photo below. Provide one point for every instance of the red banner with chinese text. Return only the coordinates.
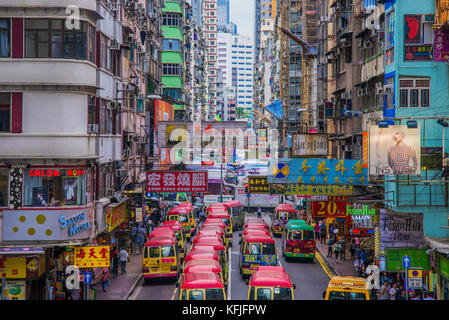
(177, 181)
(335, 207)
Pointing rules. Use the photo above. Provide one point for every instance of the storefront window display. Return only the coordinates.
(52, 187)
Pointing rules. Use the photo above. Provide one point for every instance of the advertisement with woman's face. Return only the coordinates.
(394, 150)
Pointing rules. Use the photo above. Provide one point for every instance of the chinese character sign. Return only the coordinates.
(441, 46)
(188, 181)
(258, 184)
(318, 172)
(310, 190)
(92, 257)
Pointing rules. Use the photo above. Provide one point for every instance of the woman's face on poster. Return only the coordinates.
(398, 136)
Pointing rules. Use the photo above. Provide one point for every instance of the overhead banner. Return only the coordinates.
(401, 230)
(310, 145)
(318, 172)
(310, 190)
(177, 181)
(394, 150)
(258, 184)
(92, 257)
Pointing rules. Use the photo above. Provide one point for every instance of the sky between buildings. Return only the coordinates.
(242, 14)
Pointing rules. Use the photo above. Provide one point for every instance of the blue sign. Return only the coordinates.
(248, 195)
(88, 278)
(406, 262)
(318, 172)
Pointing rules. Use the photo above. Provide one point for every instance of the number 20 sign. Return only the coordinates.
(329, 209)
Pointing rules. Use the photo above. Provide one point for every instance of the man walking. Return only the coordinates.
(123, 256)
(384, 291)
(317, 231)
(329, 247)
(259, 213)
(342, 242)
(323, 232)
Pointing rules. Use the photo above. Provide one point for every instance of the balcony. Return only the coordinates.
(373, 67)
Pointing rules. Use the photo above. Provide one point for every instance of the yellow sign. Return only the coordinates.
(92, 257)
(33, 265)
(310, 190)
(414, 273)
(14, 268)
(116, 214)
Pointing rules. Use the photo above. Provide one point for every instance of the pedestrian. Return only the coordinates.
(384, 292)
(105, 279)
(357, 251)
(393, 291)
(317, 231)
(124, 257)
(414, 296)
(342, 242)
(115, 263)
(329, 247)
(398, 278)
(399, 291)
(364, 257)
(336, 247)
(323, 232)
(401, 295)
(352, 248)
(357, 267)
(331, 230)
(384, 278)
(259, 213)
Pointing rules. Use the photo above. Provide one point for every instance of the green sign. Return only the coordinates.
(444, 266)
(359, 212)
(418, 257)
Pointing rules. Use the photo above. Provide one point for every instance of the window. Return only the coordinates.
(56, 188)
(264, 294)
(170, 45)
(5, 40)
(4, 187)
(173, 20)
(196, 295)
(5, 112)
(92, 111)
(51, 39)
(251, 293)
(171, 69)
(254, 248)
(175, 93)
(167, 251)
(282, 293)
(414, 93)
(214, 294)
(268, 248)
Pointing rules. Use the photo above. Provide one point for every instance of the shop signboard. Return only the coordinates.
(318, 172)
(177, 181)
(116, 214)
(401, 230)
(394, 150)
(441, 47)
(92, 257)
(310, 190)
(310, 145)
(35, 267)
(257, 184)
(335, 207)
(41, 225)
(15, 290)
(414, 277)
(418, 259)
(13, 268)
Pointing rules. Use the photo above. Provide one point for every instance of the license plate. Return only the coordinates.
(165, 269)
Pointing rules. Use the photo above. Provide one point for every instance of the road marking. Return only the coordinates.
(229, 274)
(136, 292)
(174, 293)
(323, 265)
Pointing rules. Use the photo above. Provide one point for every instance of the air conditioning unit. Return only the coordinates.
(92, 128)
(344, 95)
(110, 192)
(126, 152)
(323, 60)
(367, 45)
(121, 173)
(347, 148)
(360, 92)
(359, 42)
(114, 45)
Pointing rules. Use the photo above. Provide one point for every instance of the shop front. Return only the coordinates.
(60, 230)
(442, 277)
(22, 271)
(332, 211)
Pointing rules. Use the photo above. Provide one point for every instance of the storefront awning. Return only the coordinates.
(21, 250)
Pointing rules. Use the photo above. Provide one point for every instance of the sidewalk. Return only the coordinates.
(120, 288)
(337, 266)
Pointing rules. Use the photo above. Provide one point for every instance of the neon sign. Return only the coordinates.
(55, 172)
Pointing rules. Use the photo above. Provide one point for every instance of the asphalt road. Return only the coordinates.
(310, 278)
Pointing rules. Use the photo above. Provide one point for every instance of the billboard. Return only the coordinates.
(257, 184)
(394, 150)
(310, 144)
(401, 230)
(177, 181)
(334, 208)
(310, 190)
(318, 172)
(92, 257)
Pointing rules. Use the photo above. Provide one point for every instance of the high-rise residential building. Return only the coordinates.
(210, 28)
(236, 64)
(197, 11)
(223, 12)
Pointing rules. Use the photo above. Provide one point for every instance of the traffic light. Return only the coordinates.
(246, 187)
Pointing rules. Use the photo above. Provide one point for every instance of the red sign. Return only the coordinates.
(335, 207)
(177, 181)
(55, 172)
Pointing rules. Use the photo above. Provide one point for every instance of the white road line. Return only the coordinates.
(136, 293)
(229, 274)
